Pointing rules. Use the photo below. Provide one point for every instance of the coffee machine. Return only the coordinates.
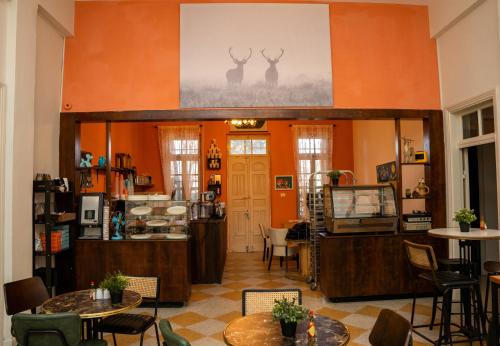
(206, 205)
(90, 215)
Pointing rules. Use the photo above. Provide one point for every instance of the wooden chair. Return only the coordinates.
(279, 247)
(262, 300)
(267, 242)
(26, 294)
(62, 329)
(390, 329)
(133, 324)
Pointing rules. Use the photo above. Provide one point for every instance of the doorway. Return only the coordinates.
(248, 191)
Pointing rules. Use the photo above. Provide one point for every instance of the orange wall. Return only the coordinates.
(141, 141)
(125, 56)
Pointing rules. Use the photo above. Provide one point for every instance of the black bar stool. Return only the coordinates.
(492, 268)
(493, 330)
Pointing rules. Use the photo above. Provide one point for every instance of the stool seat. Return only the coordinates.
(492, 266)
(495, 279)
(450, 264)
(448, 279)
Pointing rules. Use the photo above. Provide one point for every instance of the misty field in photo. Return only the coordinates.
(318, 93)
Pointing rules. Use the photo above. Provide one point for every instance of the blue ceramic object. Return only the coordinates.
(102, 161)
(86, 162)
(117, 220)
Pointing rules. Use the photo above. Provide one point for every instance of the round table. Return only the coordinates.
(90, 310)
(259, 329)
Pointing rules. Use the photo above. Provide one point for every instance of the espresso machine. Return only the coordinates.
(206, 205)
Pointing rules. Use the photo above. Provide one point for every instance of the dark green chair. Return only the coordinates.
(62, 329)
(169, 337)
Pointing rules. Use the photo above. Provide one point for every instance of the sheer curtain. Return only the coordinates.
(312, 152)
(180, 158)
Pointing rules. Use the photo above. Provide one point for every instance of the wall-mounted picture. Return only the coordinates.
(283, 182)
(246, 55)
(386, 172)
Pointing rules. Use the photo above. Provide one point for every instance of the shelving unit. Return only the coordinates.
(49, 221)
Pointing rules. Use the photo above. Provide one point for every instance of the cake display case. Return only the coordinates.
(155, 217)
(360, 208)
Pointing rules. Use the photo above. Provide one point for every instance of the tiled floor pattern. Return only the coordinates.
(212, 306)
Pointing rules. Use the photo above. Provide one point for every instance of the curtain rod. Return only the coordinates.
(290, 125)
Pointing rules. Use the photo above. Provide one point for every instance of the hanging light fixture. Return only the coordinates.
(247, 123)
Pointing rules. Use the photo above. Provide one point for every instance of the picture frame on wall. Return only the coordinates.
(283, 182)
(386, 172)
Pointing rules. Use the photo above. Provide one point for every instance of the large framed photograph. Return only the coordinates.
(250, 55)
(283, 182)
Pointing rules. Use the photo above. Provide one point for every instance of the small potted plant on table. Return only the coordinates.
(115, 283)
(334, 176)
(288, 313)
(465, 217)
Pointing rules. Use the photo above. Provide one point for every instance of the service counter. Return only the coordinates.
(361, 266)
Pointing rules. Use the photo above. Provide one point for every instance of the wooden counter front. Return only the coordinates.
(169, 259)
(370, 265)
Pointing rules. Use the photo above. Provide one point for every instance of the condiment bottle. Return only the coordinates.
(311, 329)
(482, 224)
(92, 290)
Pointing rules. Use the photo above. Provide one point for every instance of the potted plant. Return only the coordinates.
(465, 217)
(288, 313)
(115, 283)
(334, 177)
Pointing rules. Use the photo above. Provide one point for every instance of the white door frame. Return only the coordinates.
(453, 155)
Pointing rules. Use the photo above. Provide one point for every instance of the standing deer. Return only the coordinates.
(235, 75)
(272, 72)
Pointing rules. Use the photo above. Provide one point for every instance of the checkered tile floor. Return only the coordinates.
(212, 306)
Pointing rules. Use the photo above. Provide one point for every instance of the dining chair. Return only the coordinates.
(265, 236)
(279, 247)
(390, 329)
(169, 337)
(62, 329)
(132, 324)
(262, 300)
(25, 294)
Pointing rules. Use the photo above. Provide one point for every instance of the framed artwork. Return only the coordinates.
(283, 182)
(254, 55)
(386, 172)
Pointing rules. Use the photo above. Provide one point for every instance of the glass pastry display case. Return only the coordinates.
(360, 208)
(155, 217)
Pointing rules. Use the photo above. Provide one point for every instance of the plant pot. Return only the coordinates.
(464, 227)
(116, 297)
(334, 181)
(288, 329)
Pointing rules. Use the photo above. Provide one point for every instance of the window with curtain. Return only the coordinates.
(313, 153)
(180, 158)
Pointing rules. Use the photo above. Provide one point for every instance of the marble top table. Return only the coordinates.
(259, 329)
(473, 234)
(81, 303)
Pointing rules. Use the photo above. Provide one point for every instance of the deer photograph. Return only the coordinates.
(272, 72)
(255, 55)
(235, 75)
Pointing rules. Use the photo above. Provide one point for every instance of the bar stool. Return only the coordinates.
(493, 328)
(423, 266)
(492, 268)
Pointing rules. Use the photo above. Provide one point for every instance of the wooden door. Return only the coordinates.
(248, 194)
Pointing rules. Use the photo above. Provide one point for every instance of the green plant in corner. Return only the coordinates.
(465, 216)
(287, 311)
(114, 282)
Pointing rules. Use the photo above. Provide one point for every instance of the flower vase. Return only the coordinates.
(288, 329)
(464, 227)
(116, 297)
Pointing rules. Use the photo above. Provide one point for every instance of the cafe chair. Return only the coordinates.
(63, 329)
(423, 266)
(390, 329)
(492, 268)
(169, 337)
(133, 324)
(26, 294)
(265, 236)
(279, 247)
(262, 300)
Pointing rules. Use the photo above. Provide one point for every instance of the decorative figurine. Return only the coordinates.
(86, 162)
(408, 151)
(117, 220)
(102, 161)
(421, 189)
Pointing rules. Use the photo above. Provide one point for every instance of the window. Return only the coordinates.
(180, 157)
(313, 153)
(248, 146)
(478, 121)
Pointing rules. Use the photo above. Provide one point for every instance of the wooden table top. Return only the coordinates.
(81, 303)
(260, 329)
(473, 234)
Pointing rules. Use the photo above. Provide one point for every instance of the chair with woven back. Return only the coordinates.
(262, 300)
(267, 242)
(132, 324)
(25, 294)
(62, 329)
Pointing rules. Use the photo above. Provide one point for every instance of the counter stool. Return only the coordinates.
(492, 268)
(267, 242)
(423, 266)
(493, 331)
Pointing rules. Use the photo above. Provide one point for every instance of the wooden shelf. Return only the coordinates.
(415, 163)
(103, 169)
(426, 197)
(144, 185)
